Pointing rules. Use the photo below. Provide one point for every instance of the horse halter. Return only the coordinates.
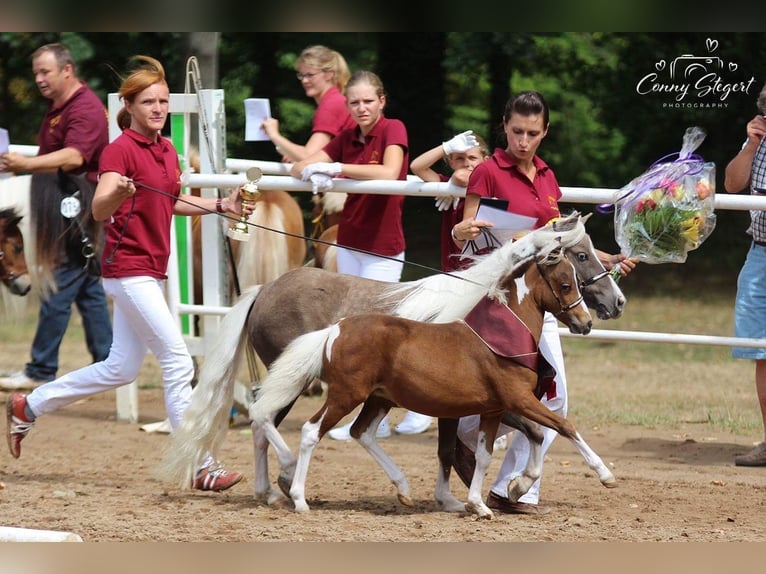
(592, 280)
(568, 307)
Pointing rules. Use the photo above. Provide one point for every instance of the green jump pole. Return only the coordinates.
(183, 235)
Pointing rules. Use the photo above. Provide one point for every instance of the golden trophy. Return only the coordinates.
(249, 193)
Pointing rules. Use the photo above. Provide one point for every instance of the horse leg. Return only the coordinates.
(487, 430)
(363, 430)
(541, 414)
(521, 484)
(310, 435)
(263, 435)
(446, 454)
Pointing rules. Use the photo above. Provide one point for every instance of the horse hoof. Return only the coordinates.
(515, 489)
(279, 502)
(285, 482)
(451, 505)
(609, 482)
(404, 499)
(301, 507)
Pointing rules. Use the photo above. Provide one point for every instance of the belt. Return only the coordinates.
(759, 243)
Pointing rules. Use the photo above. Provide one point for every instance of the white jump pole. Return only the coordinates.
(12, 534)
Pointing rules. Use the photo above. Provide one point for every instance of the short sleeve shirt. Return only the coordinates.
(758, 182)
(81, 123)
(369, 221)
(331, 116)
(500, 177)
(138, 233)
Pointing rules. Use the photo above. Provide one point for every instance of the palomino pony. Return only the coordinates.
(13, 265)
(444, 370)
(270, 316)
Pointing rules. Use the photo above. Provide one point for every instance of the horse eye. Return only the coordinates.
(18, 249)
(566, 287)
(582, 256)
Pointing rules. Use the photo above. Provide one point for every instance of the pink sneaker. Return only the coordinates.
(215, 477)
(18, 424)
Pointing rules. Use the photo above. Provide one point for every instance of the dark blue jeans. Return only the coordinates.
(76, 286)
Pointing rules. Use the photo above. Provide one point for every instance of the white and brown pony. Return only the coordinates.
(444, 370)
(268, 317)
(13, 265)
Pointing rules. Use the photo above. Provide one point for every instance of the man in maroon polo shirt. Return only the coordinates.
(72, 135)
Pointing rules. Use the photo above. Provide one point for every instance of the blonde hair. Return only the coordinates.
(327, 60)
(366, 77)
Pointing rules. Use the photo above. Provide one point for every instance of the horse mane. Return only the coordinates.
(445, 297)
(53, 236)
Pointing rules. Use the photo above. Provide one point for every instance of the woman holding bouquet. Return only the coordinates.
(517, 174)
(749, 168)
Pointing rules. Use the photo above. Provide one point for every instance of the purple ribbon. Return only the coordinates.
(691, 164)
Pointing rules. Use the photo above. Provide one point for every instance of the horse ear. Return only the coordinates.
(585, 218)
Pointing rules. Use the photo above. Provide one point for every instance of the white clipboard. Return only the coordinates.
(506, 224)
(256, 111)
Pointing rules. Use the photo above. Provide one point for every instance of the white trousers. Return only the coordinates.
(518, 451)
(142, 321)
(370, 266)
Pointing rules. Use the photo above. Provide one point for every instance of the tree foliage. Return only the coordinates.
(603, 132)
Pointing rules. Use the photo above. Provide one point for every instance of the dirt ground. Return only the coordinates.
(82, 471)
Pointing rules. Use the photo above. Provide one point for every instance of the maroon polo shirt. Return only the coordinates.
(331, 116)
(142, 228)
(368, 221)
(499, 177)
(80, 123)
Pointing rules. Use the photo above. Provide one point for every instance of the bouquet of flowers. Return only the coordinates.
(669, 209)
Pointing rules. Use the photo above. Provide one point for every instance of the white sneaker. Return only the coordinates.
(413, 423)
(19, 380)
(344, 432)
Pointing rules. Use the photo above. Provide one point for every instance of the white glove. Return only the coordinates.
(320, 182)
(447, 202)
(327, 168)
(460, 143)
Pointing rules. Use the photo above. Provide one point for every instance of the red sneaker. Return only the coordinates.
(215, 477)
(18, 423)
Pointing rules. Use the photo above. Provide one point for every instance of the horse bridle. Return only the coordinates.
(592, 280)
(564, 308)
(6, 276)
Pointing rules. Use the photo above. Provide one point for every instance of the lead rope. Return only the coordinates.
(193, 77)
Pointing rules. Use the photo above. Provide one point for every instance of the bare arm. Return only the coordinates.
(737, 175)
(421, 165)
(67, 159)
(393, 158)
(193, 205)
(111, 191)
(291, 150)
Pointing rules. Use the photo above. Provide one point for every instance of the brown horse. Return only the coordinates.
(13, 265)
(267, 318)
(446, 370)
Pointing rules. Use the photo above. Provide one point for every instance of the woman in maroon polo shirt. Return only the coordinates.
(519, 175)
(323, 73)
(136, 197)
(371, 225)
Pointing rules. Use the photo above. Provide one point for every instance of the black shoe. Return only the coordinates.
(502, 504)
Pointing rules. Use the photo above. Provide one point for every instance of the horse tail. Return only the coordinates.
(206, 419)
(299, 364)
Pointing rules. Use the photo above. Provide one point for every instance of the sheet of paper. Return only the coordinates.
(506, 225)
(256, 110)
(5, 143)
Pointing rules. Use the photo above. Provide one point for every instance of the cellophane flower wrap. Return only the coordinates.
(669, 209)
